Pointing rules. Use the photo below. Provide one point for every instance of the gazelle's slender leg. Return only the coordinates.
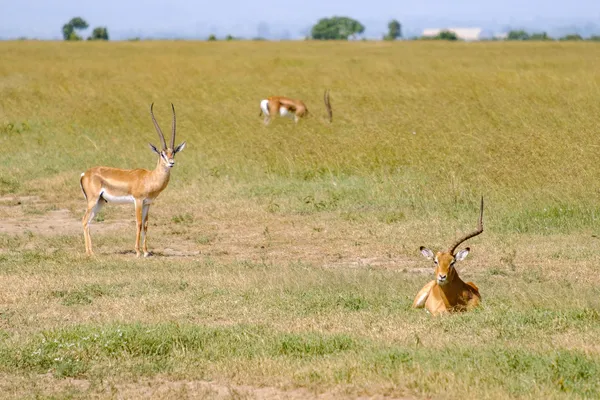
(93, 208)
(138, 219)
(145, 210)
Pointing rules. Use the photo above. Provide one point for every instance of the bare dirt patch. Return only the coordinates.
(22, 214)
(248, 234)
(163, 389)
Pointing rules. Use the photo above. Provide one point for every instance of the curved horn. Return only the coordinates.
(173, 133)
(160, 134)
(472, 234)
(328, 104)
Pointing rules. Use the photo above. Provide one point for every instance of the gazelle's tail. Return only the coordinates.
(81, 184)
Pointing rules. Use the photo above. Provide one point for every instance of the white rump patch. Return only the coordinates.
(117, 199)
(264, 106)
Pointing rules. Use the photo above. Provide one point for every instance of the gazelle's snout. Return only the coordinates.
(442, 279)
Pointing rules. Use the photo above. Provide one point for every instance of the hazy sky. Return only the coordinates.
(44, 18)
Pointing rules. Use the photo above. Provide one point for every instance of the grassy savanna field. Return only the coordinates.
(286, 257)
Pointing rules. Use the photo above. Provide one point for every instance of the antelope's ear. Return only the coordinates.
(461, 255)
(179, 148)
(153, 148)
(426, 252)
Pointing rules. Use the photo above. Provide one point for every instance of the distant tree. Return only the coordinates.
(594, 38)
(446, 35)
(573, 36)
(540, 36)
(229, 37)
(78, 23)
(70, 27)
(336, 28)
(517, 35)
(74, 37)
(212, 38)
(99, 33)
(394, 30)
(68, 32)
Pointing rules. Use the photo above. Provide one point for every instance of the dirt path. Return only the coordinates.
(22, 214)
(253, 236)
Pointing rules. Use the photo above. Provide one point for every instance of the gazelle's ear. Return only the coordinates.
(461, 255)
(153, 148)
(426, 252)
(179, 148)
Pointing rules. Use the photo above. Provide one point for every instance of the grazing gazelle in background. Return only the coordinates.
(448, 292)
(138, 186)
(290, 108)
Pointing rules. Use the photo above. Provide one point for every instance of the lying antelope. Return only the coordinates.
(290, 108)
(138, 186)
(448, 292)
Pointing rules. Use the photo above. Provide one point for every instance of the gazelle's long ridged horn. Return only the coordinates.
(472, 234)
(160, 134)
(328, 104)
(173, 132)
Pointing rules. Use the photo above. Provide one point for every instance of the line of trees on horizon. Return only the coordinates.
(524, 35)
(335, 28)
(69, 30)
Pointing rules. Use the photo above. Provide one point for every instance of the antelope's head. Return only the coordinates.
(167, 154)
(445, 260)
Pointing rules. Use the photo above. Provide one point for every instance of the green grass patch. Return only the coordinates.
(145, 350)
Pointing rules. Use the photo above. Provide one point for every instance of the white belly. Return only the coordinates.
(285, 113)
(264, 106)
(117, 199)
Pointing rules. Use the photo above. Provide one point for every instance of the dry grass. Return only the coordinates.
(286, 256)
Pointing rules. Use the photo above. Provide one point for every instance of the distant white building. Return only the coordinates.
(468, 34)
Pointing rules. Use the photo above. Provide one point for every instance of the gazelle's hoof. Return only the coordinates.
(147, 254)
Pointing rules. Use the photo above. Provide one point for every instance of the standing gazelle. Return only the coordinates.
(139, 186)
(291, 108)
(448, 292)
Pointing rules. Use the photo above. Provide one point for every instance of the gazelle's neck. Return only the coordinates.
(451, 288)
(161, 170)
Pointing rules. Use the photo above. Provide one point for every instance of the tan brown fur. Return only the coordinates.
(293, 106)
(449, 293)
(140, 186)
